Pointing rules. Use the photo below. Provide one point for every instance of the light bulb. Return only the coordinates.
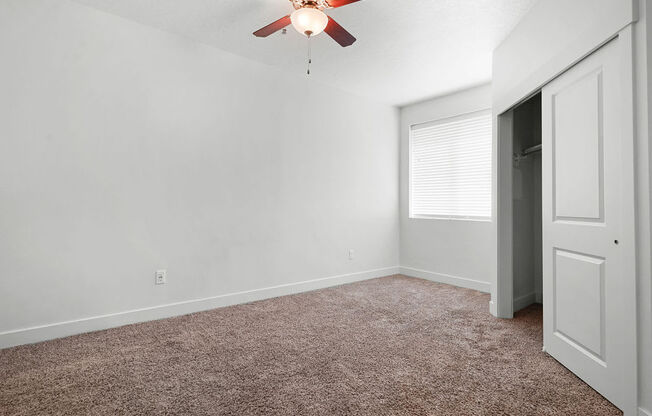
(309, 21)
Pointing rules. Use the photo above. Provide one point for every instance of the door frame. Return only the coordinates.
(505, 215)
(502, 304)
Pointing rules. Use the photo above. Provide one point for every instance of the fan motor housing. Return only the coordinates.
(315, 4)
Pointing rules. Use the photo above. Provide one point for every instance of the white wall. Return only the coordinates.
(125, 149)
(643, 95)
(551, 36)
(451, 251)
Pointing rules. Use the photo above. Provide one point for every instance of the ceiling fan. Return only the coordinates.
(309, 19)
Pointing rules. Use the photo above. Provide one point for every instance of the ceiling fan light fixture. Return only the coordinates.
(309, 21)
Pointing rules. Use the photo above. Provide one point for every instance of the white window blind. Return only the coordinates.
(450, 168)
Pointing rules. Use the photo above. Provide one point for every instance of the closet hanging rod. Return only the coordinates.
(532, 149)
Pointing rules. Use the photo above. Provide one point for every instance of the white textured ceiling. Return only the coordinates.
(407, 50)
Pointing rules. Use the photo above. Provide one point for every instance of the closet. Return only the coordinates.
(526, 207)
(566, 230)
(594, 166)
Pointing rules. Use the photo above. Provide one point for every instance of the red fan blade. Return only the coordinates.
(273, 27)
(338, 33)
(340, 3)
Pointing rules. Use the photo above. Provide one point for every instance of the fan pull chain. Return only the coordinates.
(309, 56)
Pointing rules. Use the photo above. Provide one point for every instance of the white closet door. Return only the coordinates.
(588, 324)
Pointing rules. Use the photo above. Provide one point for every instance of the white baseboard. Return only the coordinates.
(447, 278)
(95, 323)
(643, 412)
(523, 301)
(492, 308)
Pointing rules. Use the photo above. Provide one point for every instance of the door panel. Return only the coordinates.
(578, 284)
(577, 149)
(587, 326)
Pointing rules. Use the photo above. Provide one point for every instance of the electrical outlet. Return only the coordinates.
(351, 254)
(161, 277)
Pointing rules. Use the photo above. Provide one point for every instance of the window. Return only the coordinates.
(450, 168)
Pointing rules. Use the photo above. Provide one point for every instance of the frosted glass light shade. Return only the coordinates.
(309, 21)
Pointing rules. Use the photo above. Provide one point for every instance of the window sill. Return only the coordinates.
(441, 218)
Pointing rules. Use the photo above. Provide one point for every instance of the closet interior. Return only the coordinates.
(527, 203)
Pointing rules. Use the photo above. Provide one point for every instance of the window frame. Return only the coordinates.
(411, 215)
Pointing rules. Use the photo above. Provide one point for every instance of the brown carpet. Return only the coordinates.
(389, 346)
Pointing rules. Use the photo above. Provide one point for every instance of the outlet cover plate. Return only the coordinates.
(161, 277)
